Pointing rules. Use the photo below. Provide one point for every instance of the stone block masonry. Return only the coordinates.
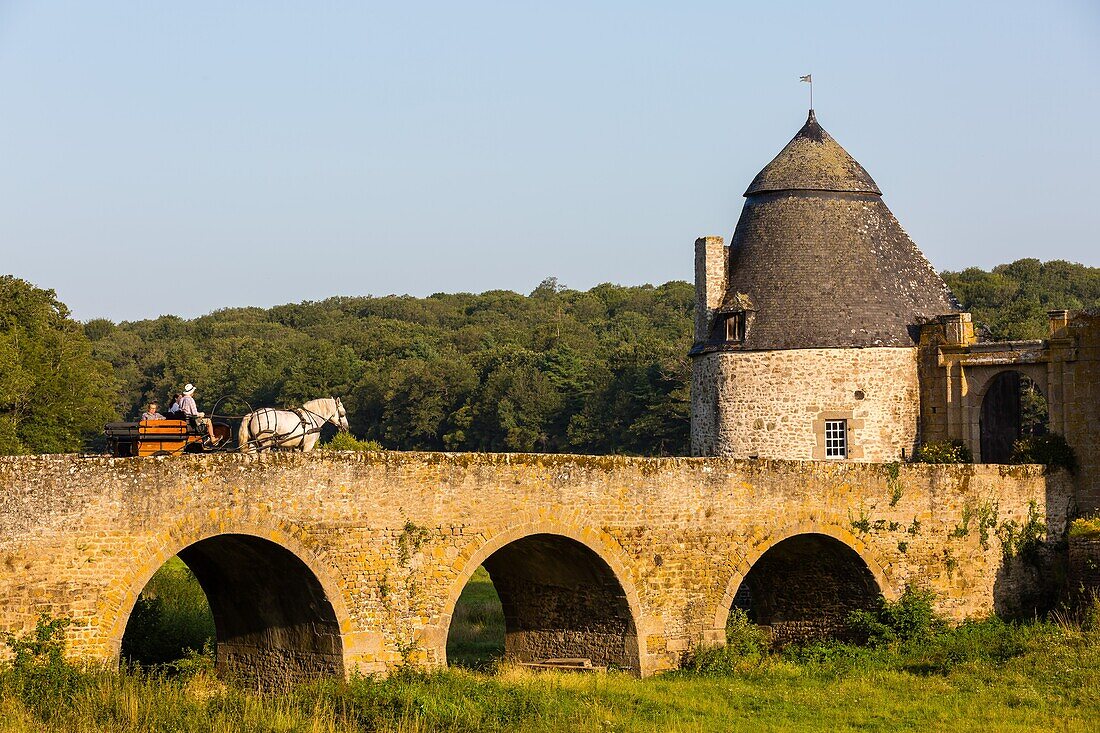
(711, 259)
(337, 562)
(774, 404)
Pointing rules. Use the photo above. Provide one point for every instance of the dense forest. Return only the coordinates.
(597, 371)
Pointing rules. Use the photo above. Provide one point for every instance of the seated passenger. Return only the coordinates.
(174, 409)
(191, 410)
(151, 413)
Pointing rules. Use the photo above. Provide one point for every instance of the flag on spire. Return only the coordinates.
(808, 77)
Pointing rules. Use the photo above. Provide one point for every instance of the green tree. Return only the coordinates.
(1011, 300)
(54, 394)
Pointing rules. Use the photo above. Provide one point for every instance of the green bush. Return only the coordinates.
(714, 660)
(43, 647)
(990, 640)
(744, 641)
(910, 617)
(40, 675)
(1085, 527)
(1050, 450)
(943, 451)
(743, 636)
(347, 441)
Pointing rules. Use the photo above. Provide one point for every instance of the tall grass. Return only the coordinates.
(914, 674)
(1040, 680)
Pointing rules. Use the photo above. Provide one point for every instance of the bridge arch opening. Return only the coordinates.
(273, 623)
(1013, 407)
(804, 587)
(558, 600)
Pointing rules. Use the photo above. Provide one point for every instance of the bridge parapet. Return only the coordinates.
(342, 561)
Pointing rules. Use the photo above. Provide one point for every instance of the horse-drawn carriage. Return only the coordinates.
(264, 429)
(165, 438)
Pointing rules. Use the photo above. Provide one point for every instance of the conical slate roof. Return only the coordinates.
(818, 261)
(813, 161)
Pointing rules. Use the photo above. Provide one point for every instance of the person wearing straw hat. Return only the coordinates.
(191, 410)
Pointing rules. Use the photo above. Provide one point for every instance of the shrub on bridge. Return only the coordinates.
(943, 451)
(1085, 528)
(1050, 450)
(347, 441)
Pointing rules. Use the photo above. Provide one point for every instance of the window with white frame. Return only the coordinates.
(836, 438)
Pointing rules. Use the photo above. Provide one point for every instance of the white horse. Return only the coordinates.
(297, 428)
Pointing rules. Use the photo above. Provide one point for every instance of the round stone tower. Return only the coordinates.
(806, 325)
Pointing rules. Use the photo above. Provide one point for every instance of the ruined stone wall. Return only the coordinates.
(773, 404)
(390, 539)
(956, 370)
(1078, 385)
(1084, 568)
(711, 263)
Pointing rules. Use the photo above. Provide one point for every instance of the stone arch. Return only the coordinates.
(279, 614)
(998, 406)
(856, 555)
(979, 377)
(566, 592)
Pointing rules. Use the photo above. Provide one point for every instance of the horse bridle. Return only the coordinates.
(340, 413)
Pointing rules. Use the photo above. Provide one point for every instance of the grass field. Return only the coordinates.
(987, 675)
(476, 638)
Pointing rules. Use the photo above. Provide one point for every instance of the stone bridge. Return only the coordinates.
(336, 562)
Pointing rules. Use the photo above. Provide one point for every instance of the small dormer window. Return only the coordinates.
(735, 327)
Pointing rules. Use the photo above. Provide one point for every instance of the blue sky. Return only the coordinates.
(181, 157)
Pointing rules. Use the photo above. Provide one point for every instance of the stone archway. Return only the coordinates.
(1013, 406)
(561, 597)
(275, 622)
(803, 586)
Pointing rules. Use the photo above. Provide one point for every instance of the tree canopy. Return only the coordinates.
(597, 371)
(53, 392)
(1012, 300)
(559, 370)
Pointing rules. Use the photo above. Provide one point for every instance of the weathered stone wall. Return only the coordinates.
(390, 539)
(292, 635)
(560, 600)
(773, 404)
(704, 404)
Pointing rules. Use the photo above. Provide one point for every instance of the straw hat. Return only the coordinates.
(189, 389)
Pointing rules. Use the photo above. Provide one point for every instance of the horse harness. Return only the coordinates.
(276, 439)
